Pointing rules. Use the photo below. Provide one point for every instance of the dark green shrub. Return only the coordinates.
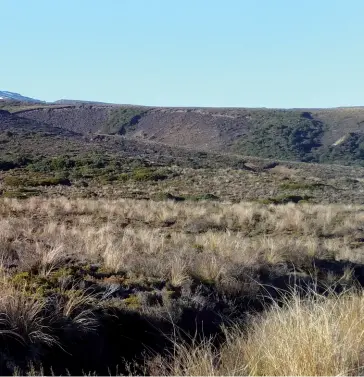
(21, 193)
(283, 134)
(83, 184)
(14, 181)
(52, 181)
(98, 162)
(162, 196)
(123, 177)
(284, 199)
(203, 197)
(62, 163)
(299, 186)
(121, 119)
(108, 178)
(142, 174)
(46, 165)
(14, 162)
(148, 174)
(349, 151)
(159, 176)
(7, 165)
(36, 181)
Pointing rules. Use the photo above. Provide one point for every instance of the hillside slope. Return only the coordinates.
(22, 126)
(311, 135)
(114, 166)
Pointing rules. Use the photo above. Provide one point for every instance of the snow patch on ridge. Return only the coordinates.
(5, 95)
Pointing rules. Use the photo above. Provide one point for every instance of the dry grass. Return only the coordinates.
(306, 337)
(184, 244)
(22, 317)
(203, 239)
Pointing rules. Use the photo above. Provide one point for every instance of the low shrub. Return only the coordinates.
(15, 181)
(162, 196)
(7, 165)
(203, 197)
(299, 186)
(52, 181)
(107, 178)
(14, 162)
(123, 177)
(284, 199)
(148, 174)
(21, 193)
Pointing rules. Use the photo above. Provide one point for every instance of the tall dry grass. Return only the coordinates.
(171, 239)
(179, 242)
(307, 337)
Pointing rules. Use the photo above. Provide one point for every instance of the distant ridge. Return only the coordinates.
(333, 135)
(77, 102)
(10, 96)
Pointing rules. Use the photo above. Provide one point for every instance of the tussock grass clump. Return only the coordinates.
(318, 335)
(22, 318)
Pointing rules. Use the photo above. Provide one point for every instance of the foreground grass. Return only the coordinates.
(187, 288)
(313, 336)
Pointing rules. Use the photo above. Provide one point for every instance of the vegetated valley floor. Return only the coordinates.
(125, 256)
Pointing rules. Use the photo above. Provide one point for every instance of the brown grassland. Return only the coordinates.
(180, 288)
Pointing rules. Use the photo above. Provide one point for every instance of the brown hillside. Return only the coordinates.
(83, 119)
(296, 134)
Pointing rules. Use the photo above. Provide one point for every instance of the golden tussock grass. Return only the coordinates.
(313, 336)
(197, 236)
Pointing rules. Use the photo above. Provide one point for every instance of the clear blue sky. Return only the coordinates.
(270, 53)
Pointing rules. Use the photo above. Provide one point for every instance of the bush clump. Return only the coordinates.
(7, 165)
(283, 134)
(52, 181)
(162, 196)
(16, 162)
(20, 193)
(148, 174)
(15, 181)
(206, 196)
(299, 186)
(284, 199)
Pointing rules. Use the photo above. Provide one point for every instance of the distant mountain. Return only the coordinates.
(10, 96)
(309, 135)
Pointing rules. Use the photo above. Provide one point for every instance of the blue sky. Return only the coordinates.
(244, 53)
